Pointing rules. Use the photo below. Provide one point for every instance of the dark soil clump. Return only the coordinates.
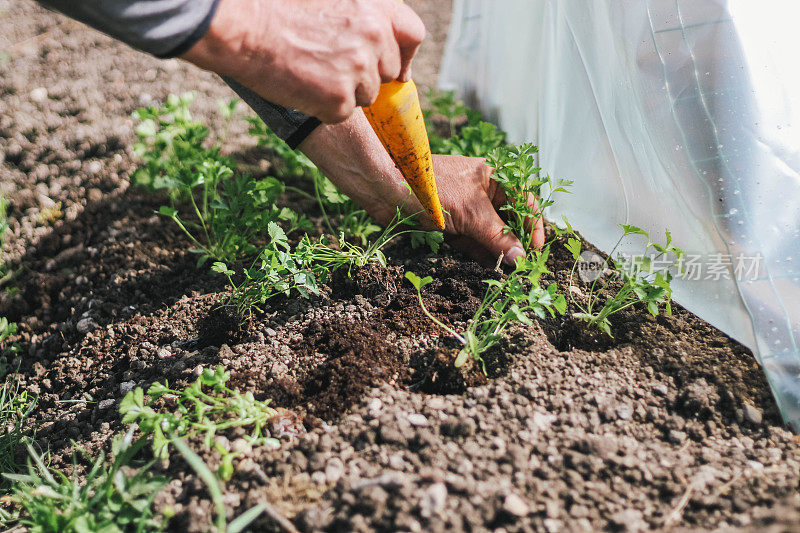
(357, 356)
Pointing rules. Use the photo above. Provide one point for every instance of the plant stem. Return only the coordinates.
(299, 191)
(202, 220)
(439, 323)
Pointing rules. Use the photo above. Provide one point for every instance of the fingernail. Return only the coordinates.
(512, 255)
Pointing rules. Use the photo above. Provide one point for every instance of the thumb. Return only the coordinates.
(409, 31)
(488, 230)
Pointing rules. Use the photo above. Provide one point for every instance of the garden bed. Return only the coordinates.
(669, 425)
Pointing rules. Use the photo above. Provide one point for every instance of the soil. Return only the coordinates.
(669, 426)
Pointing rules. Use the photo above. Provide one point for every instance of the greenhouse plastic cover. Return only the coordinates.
(678, 114)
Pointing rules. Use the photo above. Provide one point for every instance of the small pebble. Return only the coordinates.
(38, 95)
(106, 404)
(433, 500)
(752, 414)
(85, 325)
(418, 420)
(375, 405)
(94, 167)
(676, 436)
(164, 353)
(515, 505)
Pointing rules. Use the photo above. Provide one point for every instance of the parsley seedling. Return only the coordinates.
(516, 172)
(466, 133)
(504, 303)
(643, 280)
(281, 269)
(229, 211)
(206, 407)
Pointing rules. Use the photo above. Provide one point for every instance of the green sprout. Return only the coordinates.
(528, 193)
(643, 280)
(229, 211)
(466, 134)
(505, 302)
(282, 269)
(205, 407)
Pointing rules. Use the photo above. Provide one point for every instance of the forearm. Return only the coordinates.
(353, 158)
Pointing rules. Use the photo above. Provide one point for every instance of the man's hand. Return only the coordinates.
(321, 57)
(351, 155)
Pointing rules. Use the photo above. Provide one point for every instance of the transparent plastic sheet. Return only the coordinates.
(678, 114)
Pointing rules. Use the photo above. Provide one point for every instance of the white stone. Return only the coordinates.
(418, 420)
(38, 95)
(433, 500)
(515, 505)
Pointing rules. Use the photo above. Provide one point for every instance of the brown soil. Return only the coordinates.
(669, 426)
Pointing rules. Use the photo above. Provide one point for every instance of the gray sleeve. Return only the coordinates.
(168, 28)
(164, 28)
(290, 125)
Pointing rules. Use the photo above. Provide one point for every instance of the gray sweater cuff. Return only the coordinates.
(290, 125)
(164, 28)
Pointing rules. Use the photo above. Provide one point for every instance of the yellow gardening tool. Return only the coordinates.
(396, 117)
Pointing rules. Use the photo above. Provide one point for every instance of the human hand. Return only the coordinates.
(351, 155)
(321, 57)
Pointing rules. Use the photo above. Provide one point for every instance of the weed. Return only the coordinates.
(516, 172)
(280, 269)
(4, 226)
(7, 329)
(466, 133)
(645, 278)
(230, 211)
(114, 498)
(504, 303)
(215, 491)
(205, 407)
(15, 407)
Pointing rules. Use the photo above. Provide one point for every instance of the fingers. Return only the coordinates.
(389, 62)
(535, 224)
(409, 31)
(367, 90)
(488, 230)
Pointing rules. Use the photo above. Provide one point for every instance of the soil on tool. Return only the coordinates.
(670, 424)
